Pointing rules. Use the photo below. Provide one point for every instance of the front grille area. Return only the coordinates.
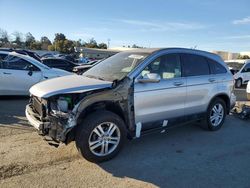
(38, 107)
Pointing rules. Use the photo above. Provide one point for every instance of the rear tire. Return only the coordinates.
(238, 83)
(215, 116)
(100, 136)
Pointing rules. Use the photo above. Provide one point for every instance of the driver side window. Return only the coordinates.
(167, 67)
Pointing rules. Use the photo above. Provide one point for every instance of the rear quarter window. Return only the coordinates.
(216, 67)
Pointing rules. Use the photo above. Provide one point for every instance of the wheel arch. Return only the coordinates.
(225, 98)
(111, 106)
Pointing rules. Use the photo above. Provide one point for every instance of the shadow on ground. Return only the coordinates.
(12, 110)
(184, 156)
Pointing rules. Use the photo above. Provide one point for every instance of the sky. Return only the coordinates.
(202, 24)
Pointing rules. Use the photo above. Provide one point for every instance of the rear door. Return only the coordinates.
(200, 85)
(156, 102)
(16, 78)
(221, 77)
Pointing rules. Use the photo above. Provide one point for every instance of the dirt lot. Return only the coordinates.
(183, 157)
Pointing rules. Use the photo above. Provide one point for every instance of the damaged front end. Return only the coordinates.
(53, 117)
(57, 117)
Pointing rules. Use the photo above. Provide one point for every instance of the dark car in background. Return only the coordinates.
(59, 63)
(83, 68)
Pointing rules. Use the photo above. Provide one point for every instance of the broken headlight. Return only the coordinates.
(61, 105)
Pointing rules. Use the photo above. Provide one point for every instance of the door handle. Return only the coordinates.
(211, 80)
(6, 73)
(178, 83)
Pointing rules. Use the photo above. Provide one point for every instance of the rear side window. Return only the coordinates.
(194, 65)
(216, 68)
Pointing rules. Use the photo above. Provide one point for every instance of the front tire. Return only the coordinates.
(100, 136)
(216, 114)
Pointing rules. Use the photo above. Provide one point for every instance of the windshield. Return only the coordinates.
(116, 67)
(235, 65)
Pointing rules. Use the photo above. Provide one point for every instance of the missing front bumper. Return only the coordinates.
(54, 128)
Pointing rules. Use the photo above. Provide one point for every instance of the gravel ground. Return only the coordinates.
(183, 157)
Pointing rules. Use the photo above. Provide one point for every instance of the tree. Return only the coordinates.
(135, 46)
(18, 40)
(4, 38)
(68, 46)
(35, 45)
(243, 57)
(91, 44)
(63, 46)
(29, 39)
(59, 37)
(102, 46)
(45, 42)
(78, 43)
(51, 48)
(60, 43)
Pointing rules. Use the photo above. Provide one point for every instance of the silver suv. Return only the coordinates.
(130, 94)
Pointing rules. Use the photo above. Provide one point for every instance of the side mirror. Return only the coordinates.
(31, 69)
(150, 78)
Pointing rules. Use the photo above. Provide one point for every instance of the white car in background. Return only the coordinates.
(242, 71)
(19, 72)
(248, 91)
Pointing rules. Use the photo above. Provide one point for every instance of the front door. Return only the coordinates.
(16, 77)
(156, 102)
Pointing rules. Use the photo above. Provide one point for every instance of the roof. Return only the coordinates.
(177, 50)
(152, 50)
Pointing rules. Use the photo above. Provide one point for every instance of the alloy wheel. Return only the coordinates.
(104, 139)
(216, 114)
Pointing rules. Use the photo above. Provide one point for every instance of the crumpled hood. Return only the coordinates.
(67, 84)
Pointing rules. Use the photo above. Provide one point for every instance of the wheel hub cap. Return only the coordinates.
(104, 139)
(217, 114)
